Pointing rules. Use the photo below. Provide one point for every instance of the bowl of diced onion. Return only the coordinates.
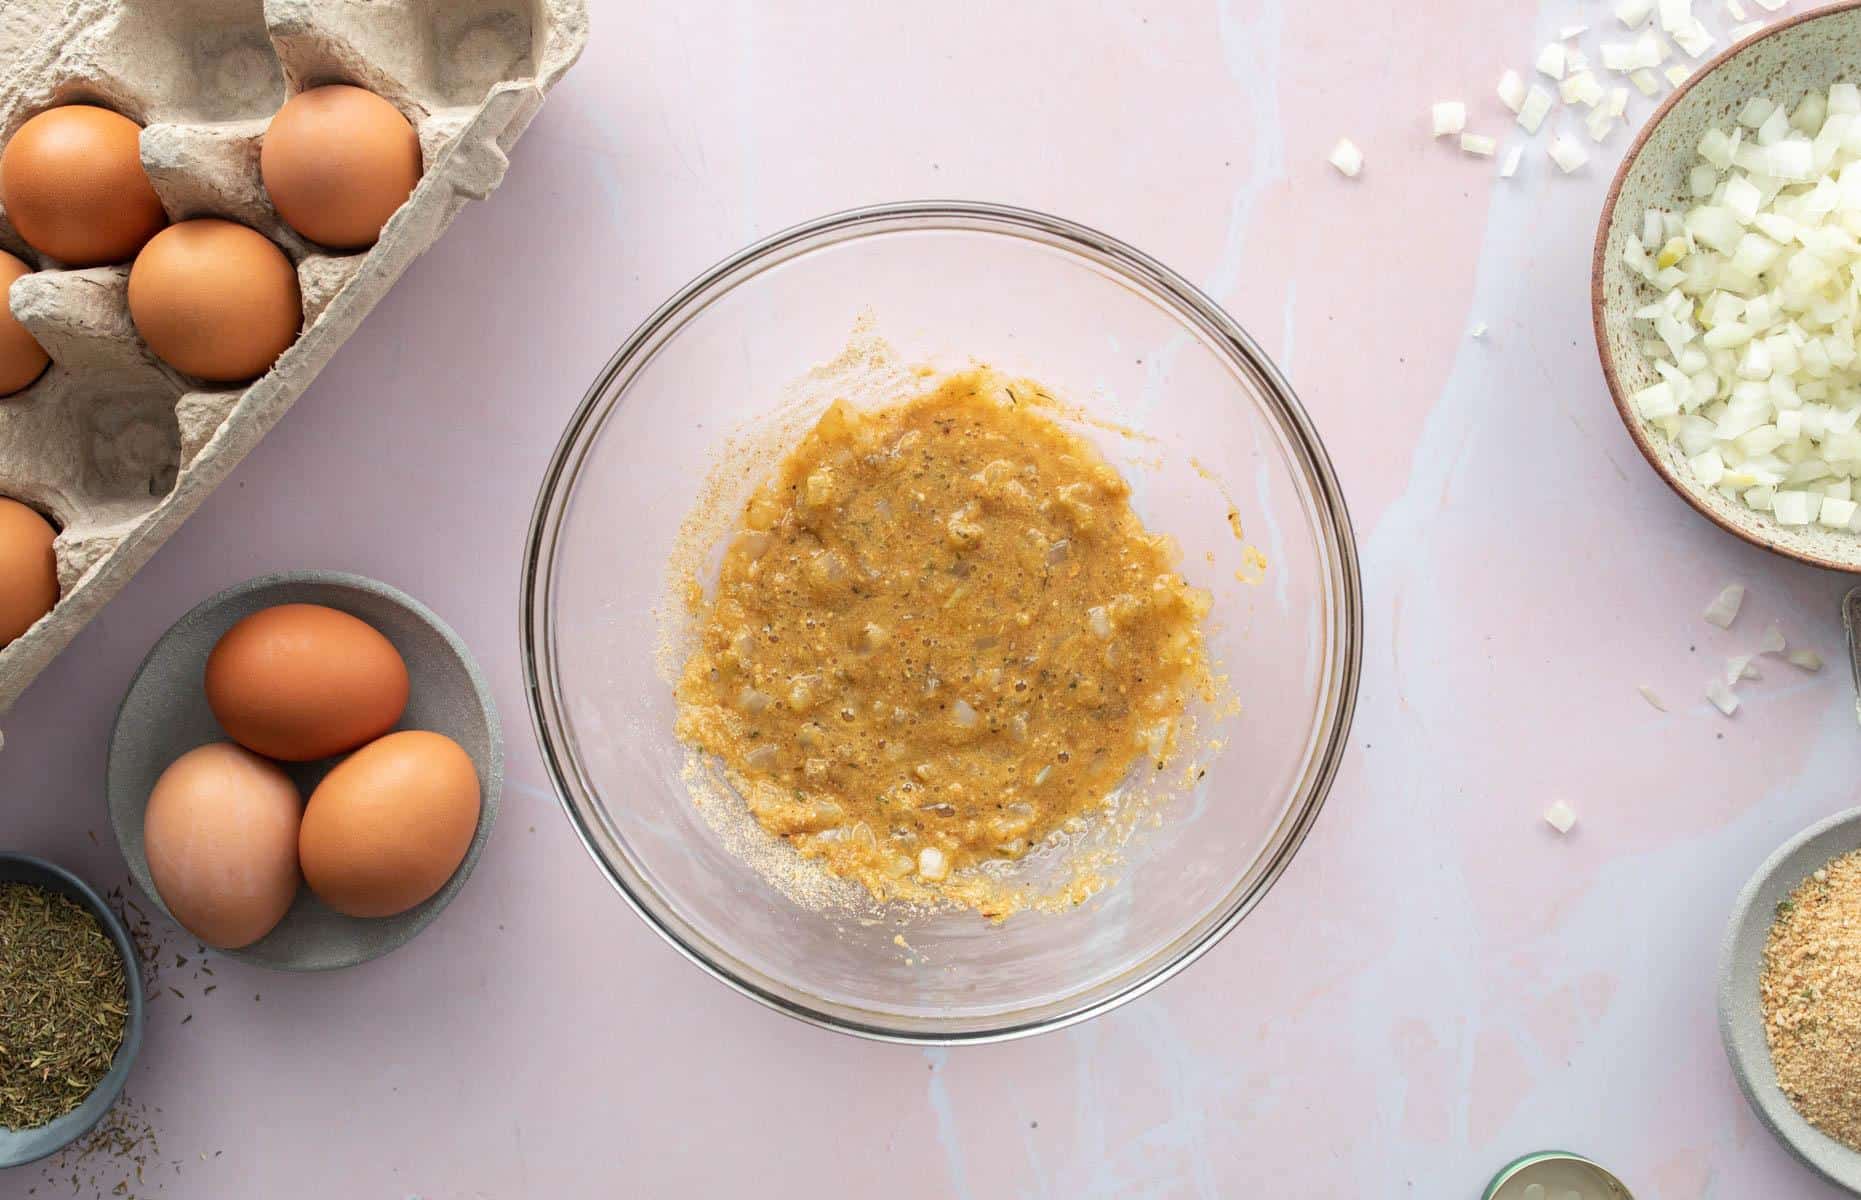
(1727, 289)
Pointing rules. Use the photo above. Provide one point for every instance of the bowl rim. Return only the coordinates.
(1217, 325)
(103, 1097)
(1741, 1017)
(491, 775)
(1599, 306)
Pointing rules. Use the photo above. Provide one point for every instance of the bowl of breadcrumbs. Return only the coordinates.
(1790, 996)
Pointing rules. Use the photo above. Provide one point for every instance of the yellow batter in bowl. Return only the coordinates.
(940, 635)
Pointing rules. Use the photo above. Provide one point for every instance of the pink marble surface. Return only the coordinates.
(1438, 983)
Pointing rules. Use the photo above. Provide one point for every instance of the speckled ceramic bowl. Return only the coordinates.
(1782, 62)
(1741, 1021)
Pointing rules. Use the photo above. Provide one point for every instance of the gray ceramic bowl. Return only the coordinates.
(1741, 1022)
(19, 1146)
(165, 714)
(1783, 62)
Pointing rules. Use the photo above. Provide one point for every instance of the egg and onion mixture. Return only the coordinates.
(940, 634)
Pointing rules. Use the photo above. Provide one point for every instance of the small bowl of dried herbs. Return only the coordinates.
(70, 1008)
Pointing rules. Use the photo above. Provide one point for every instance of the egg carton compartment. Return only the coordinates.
(113, 445)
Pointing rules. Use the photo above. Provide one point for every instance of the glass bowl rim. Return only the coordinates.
(1122, 259)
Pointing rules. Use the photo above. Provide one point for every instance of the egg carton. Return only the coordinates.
(116, 446)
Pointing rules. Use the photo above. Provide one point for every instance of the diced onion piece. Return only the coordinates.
(932, 865)
(1510, 165)
(1633, 13)
(1551, 60)
(1535, 109)
(1512, 90)
(1773, 642)
(1792, 508)
(1677, 74)
(1722, 697)
(1449, 116)
(1836, 513)
(1567, 154)
(1693, 38)
(1580, 87)
(1347, 158)
(1561, 817)
(1807, 660)
(1478, 330)
(1724, 607)
(1655, 401)
(1756, 111)
(1648, 694)
(1644, 51)
(1645, 81)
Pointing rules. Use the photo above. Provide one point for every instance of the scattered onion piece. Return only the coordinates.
(1633, 13)
(1347, 158)
(1724, 607)
(1722, 697)
(1512, 90)
(1773, 642)
(1478, 144)
(1449, 116)
(1580, 87)
(1510, 166)
(1807, 660)
(1551, 60)
(1648, 694)
(1478, 330)
(1567, 154)
(1536, 108)
(1561, 817)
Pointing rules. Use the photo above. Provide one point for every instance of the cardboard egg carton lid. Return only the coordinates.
(116, 446)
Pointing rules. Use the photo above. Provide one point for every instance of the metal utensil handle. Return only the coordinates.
(1851, 618)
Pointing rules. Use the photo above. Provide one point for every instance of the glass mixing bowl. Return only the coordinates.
(1117, 333)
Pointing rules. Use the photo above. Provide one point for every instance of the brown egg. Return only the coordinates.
(300, 681)
(22, 359)
(337, 161)
(28, 570)
(220, 834)
(388, 827)
(72, 182)
(215, 299)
